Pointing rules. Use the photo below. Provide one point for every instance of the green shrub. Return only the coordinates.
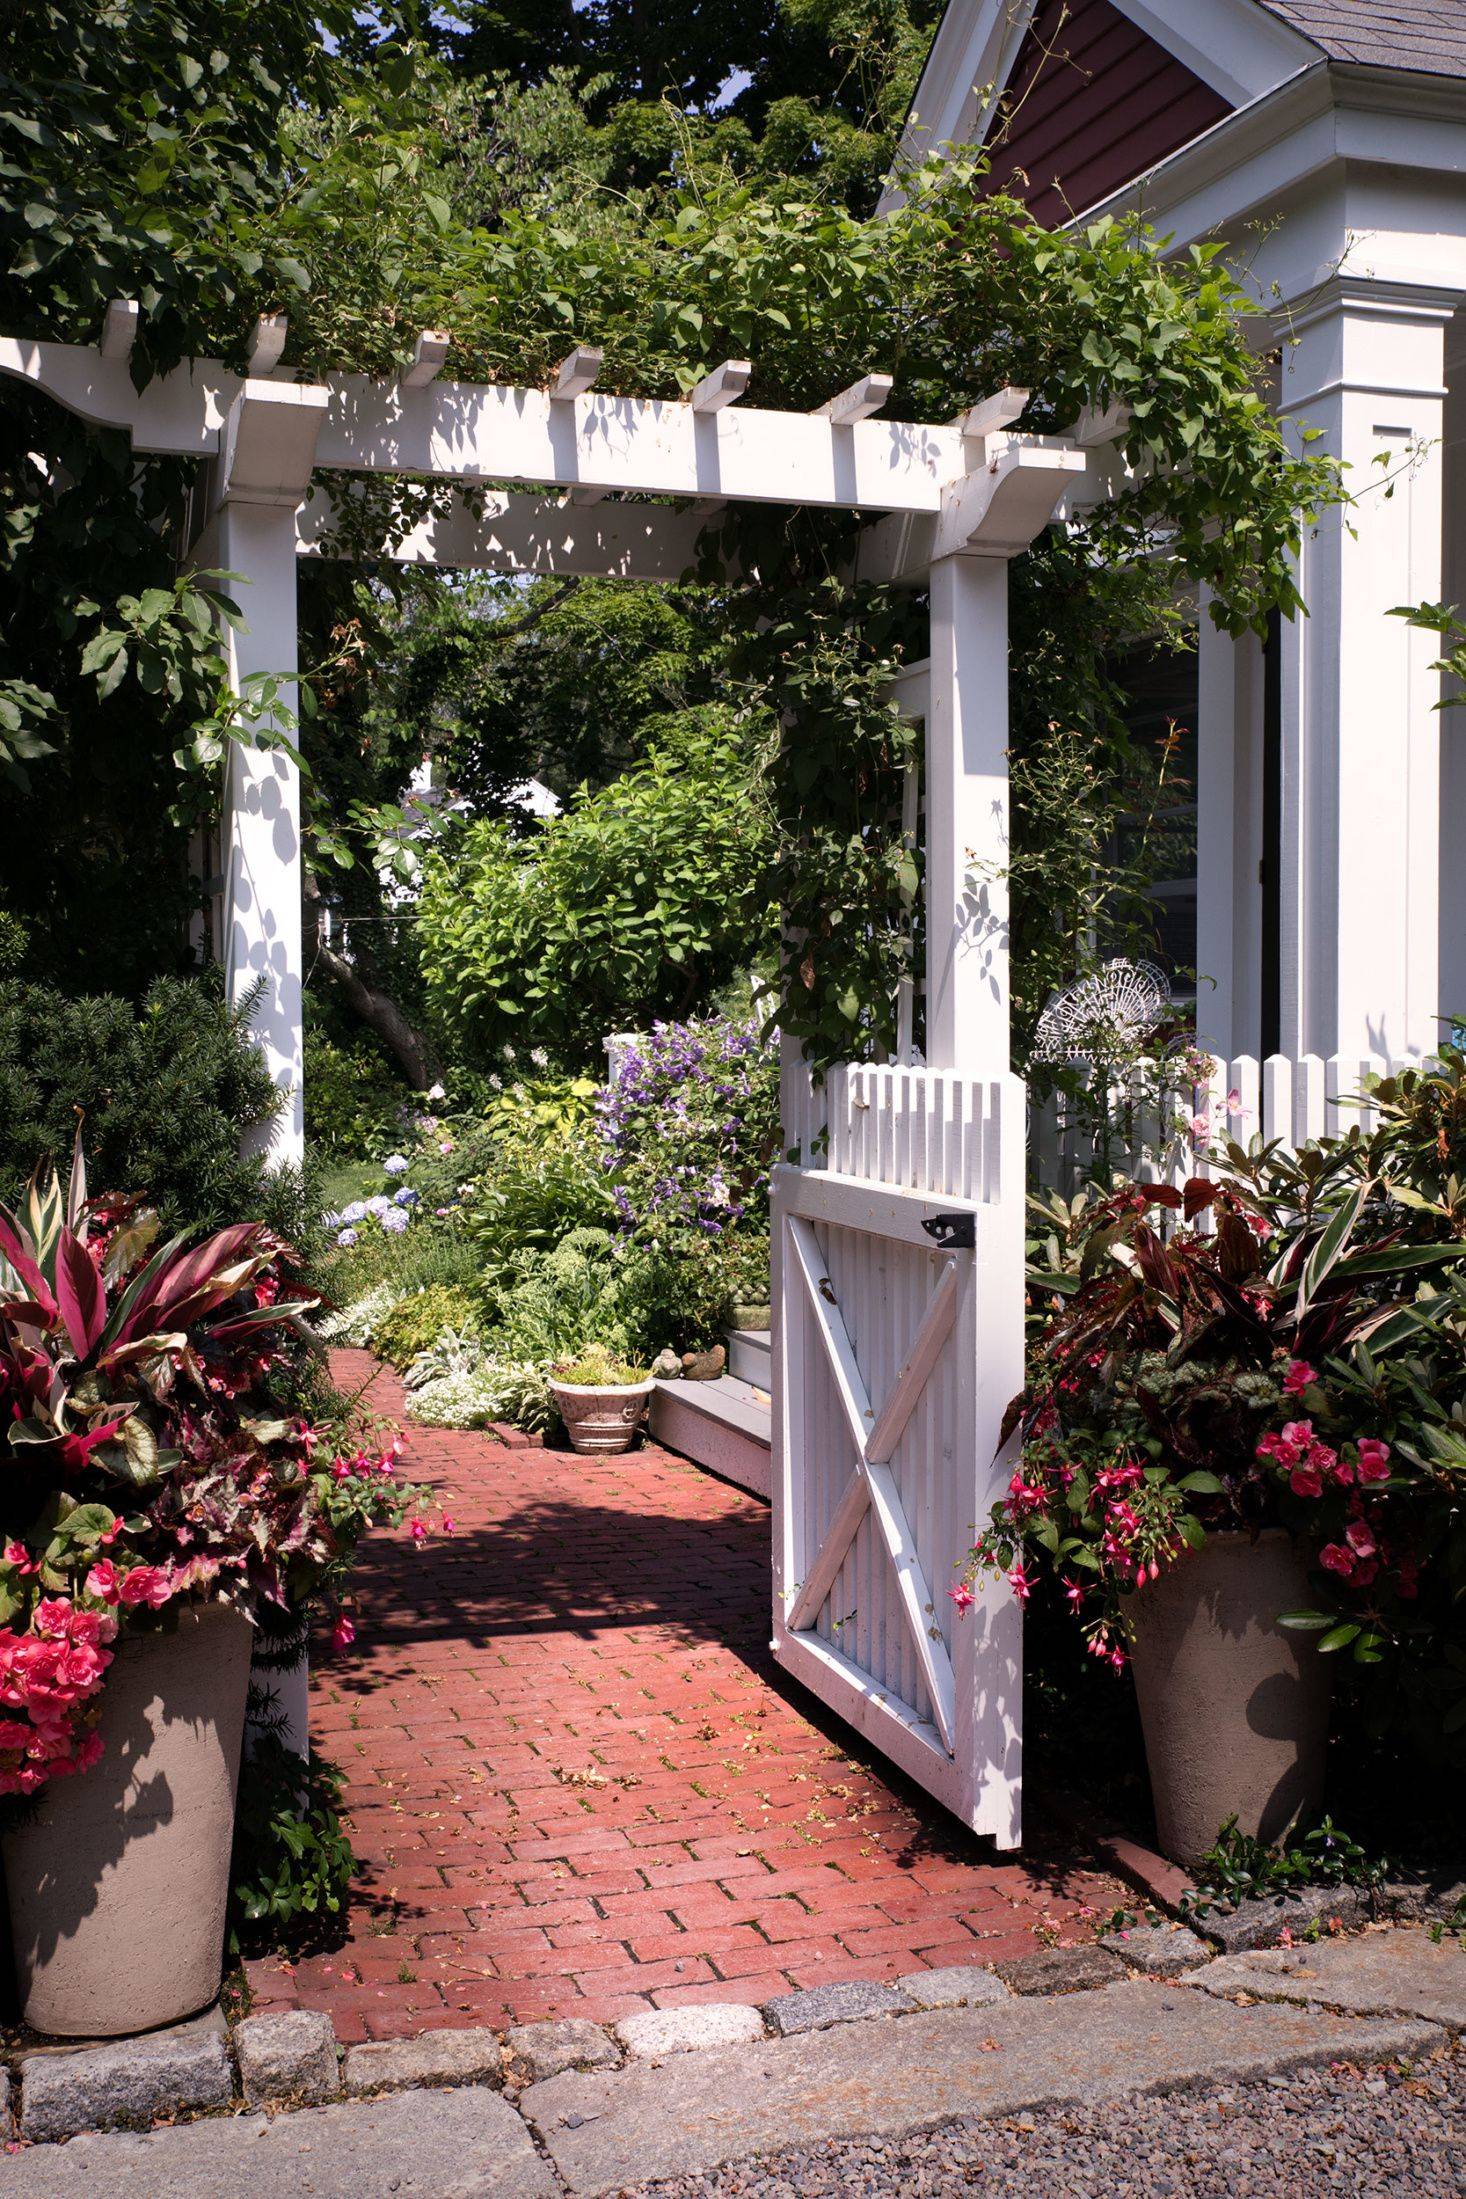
(418, 1320)
(292, 1867)
(354, 1100)
(168, 1089)
(591, 1289)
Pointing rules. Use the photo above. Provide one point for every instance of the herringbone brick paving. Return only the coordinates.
(578, 1784)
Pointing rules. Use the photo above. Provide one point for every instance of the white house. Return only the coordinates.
(1325, 142)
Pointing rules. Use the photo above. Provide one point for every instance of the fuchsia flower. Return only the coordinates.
(962, 1596)
(418, 1529)
(1019, 1581)
(343, 1633)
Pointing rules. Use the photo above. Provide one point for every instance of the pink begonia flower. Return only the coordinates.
(149, 1584)
(1360, 1538)
(1298, 1377)
(343, 1633)
(962, 1596)
(1374, 1459)
(1299, 1432)
(1306, 1481)
(1334, 1558)
(52, 1615)
(104, 1581)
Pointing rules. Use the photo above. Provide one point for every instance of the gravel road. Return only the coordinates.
(1336, 2133)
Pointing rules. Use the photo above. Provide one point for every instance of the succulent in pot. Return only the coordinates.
(601, 1399)
(154, 1498)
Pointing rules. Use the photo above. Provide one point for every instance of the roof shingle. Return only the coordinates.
(1429, 35)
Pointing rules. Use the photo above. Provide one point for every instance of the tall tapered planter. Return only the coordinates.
(118, 1882)
(1235, 1708)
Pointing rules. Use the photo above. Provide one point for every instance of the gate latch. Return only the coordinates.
(952, 1232)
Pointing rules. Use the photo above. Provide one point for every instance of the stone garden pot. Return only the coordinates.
(117, 1880)
(1235, 1708)
(602, 1418)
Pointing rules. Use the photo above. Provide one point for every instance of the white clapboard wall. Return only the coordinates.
(1153, 1138)
(897, 1348)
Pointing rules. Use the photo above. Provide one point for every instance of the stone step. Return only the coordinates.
(723, 1425)
(750, 1356)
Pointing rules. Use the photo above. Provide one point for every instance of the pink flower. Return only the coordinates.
(1233, 1102)
(52, 1615)
(1074, 1594)
(1200, 1128)
(343, 1633)
(104, 1581)
(447, 1527)
(149, 1584)
(1374, 1459)
(1335, 1558)
(1360, 1538)
(962, 1596)
(418, 1530)
(1299, 1433)
(1019, 1582)
(1298, 1377)
(1306, 1481)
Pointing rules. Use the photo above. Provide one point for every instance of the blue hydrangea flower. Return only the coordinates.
(394, 1221)
(396, 1164)
(406, 1196)
(346, 1237)
(356, 1212)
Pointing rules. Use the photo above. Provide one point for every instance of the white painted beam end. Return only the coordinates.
(428, 355)
(995, 412)
(578, 371)
(724, 386)
(859, 401)
(266, 346)
(1100, 426)
(119, 329)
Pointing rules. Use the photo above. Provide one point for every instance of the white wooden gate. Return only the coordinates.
(898, 1328)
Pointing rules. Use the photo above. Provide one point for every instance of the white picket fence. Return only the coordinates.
(1165, 1136)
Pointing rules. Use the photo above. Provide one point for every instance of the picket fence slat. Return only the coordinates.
(1157, 1138)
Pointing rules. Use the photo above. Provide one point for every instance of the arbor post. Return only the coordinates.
(264, 468)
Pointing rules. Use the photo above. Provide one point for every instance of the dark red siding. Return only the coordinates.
(1092, 103)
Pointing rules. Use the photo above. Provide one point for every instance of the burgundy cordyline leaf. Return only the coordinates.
(80, 1294)
(179, 1279)
(13, 1247)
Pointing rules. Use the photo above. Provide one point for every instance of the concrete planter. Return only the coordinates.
(1235, 1707)
(601, 1419)
(117, 1883)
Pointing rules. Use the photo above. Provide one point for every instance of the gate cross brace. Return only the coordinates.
(873, 1484)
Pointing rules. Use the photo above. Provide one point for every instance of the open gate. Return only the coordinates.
(898, 1329)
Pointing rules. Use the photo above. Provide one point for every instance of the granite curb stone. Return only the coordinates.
(125, 2084)
(956, 1987)
(287, 2057)
(658, 2031)
(1402, 1972)
(819, 2006)
(681, 2117)
(433, 2057)
(1262, 1921)
(1161, 1950)
(1062, 1970)
(546, 2049)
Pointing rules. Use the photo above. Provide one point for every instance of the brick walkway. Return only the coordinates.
(578, 1785)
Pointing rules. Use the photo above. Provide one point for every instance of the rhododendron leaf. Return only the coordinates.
(1307, 1622)
(1338, 1637)
(79, 1294)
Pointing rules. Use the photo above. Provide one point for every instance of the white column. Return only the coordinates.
(967, 851)
(261, 828)
(1228, 839)
(1361, 740)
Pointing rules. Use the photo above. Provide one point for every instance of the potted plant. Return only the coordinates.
(1169, 1472)
(601, 1399)
(153, 1499)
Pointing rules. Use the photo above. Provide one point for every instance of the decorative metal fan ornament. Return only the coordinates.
(1105, 1017)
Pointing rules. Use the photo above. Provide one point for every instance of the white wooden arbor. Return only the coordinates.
(899, 1241)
